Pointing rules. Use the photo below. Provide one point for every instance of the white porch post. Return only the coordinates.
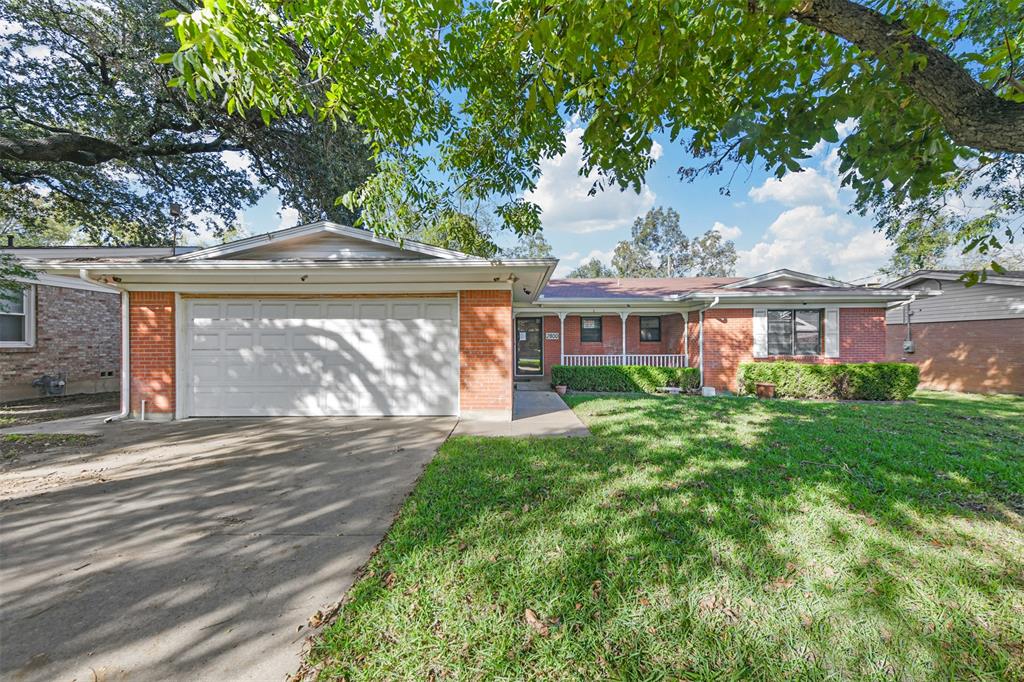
(623, 316)
(561, 338)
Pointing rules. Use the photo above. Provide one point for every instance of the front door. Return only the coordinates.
(529, 346)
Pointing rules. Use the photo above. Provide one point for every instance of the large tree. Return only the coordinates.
(935, 90)
(92, 136)
(592, 269)
(658, 248)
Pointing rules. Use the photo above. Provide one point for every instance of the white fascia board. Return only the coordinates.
(257, 266)
(320, 227)
(952, 277)
(873, 296)
(789, 274)
(300, 288)
(527, 310)
(273, 275)
(46, 280)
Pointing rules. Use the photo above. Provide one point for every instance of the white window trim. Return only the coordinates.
(822, 335)
(29, 303)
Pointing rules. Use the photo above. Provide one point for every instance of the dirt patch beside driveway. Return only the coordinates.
(25, 412)
(194, 549)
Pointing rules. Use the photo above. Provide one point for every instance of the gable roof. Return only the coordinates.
(785, 273)
(1010, 277)
(407, 249)
(771, 286)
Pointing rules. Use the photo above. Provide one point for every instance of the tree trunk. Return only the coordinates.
(973, 116)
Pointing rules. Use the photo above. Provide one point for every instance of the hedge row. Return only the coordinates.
(867, 381)
(624, 378)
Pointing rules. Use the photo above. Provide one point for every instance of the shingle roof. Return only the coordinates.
(653, 287)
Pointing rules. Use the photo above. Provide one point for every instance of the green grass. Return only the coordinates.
(14, 445)
(696, 538)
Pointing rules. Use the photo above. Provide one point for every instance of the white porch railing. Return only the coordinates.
(648, 359)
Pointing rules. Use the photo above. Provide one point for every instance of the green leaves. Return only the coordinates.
(473, 96)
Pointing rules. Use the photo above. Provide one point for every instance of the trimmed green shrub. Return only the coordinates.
(860, 381)
(624, 378)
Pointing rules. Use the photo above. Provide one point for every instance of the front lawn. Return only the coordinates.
(693, 538)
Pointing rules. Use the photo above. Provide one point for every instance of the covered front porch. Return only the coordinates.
(596, 337)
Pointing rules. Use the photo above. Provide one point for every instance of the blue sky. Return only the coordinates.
(801, 221)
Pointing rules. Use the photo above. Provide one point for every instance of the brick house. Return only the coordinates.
(325, 319)
(63, 327)
(966, 339)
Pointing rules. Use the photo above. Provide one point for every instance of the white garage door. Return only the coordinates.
(322, 357)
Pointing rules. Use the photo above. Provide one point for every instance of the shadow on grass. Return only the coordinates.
(694, 537)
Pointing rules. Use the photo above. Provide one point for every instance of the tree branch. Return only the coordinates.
(85, 150)
(973, 116)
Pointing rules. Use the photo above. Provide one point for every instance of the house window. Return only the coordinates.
(650, 329)
(590, 329)
(794, 332)
(16, 323)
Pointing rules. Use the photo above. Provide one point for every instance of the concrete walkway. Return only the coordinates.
(535, 413)
(193, 550)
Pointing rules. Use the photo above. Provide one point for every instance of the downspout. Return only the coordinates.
(125, 366)
(906, 314)
(701, 337)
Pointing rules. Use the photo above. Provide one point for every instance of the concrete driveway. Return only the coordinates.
(194, 550)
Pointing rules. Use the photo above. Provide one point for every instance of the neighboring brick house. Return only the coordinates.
(325, 319)
(965, 339)
(62, 327)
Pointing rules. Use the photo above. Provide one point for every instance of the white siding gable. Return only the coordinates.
(326, 246)
(961, 303)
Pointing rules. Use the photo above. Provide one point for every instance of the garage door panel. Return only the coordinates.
(251, 358)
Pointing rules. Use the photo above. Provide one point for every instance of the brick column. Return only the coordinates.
(485, 354)
(151, 339)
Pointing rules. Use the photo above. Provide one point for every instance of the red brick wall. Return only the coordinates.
(151, 332)
(729, 341)
(611, 336)
(485, 350)
(982, 356)
(78, 332)
(552, 348)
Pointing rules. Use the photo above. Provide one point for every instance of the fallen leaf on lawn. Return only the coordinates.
(806, 621)
(645, 601)
(595, 589)
(714, 603)
(536, 623)
(828, 572)
(886, 635)
(779, 584)
(389, 579)
(579, 606)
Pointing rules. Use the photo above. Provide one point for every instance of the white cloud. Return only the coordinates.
(809, 239)
(571, 261)
(235, 160)
(563, 194)
(726, 231)
(794, 189)
(289, 217)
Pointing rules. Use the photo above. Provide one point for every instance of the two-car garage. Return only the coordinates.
(320, 356)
